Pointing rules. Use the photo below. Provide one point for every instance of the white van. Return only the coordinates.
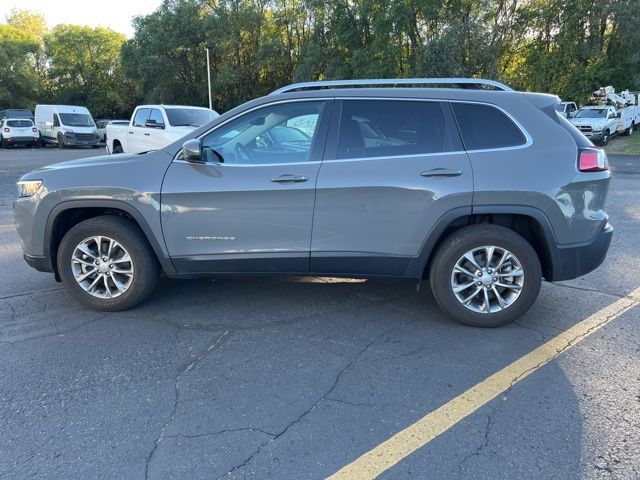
(66, 126)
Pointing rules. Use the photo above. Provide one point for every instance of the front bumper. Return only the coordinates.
(595, 136)
(575, 261)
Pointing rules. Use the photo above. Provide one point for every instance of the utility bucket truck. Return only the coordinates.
(609, 114)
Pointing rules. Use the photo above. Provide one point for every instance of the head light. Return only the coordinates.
(27, 188)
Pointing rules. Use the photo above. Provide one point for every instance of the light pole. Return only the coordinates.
(209, 77)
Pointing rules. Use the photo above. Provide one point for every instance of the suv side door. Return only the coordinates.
(249, 206)
(397, 166)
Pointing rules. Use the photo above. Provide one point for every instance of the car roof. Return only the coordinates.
(173, 106)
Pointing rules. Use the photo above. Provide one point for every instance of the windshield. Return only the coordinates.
(19, 123)
(189, 117)
(77, 120)
(592, 113)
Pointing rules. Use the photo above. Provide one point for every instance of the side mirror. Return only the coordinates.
(619, 115)
(568, 114)
(153, 124)
(192, 150)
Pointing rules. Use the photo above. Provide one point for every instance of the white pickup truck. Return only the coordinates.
(597, 123)
(153, 127)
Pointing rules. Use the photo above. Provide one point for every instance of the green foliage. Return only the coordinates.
(17, 77)
(84, 68)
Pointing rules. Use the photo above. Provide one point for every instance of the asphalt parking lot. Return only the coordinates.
(297, 378)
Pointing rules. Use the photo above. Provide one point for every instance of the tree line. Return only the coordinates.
(567, 47)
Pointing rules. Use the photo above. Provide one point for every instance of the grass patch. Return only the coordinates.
(624, 145)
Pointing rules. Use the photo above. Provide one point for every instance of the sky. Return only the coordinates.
(115, 14)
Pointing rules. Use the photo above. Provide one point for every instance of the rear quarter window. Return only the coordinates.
(484, 127)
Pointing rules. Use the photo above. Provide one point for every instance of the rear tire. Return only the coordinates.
(107, 295)
(118, 149)
(504, 304)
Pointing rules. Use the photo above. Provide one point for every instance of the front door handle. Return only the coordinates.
(441, 172)
(288, 178)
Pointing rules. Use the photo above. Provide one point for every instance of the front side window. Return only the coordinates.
(141, 117)
(484, 127)
(382, 128)
(276, 134)
(156, 116)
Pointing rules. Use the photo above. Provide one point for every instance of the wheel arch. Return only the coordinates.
(67, 214)
(529, 222)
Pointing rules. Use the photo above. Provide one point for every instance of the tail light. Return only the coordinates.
(7, 130)
(34, 129)
(593, 160)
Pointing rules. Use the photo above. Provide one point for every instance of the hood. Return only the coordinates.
(91, 162)
(588, 121)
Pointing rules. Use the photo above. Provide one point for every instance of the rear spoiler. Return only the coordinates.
(541, 100)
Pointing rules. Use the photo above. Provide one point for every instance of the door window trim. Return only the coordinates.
(319, 142)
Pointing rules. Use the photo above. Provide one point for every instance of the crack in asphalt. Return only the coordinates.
(309, 410)
(221, 432)
(26, 294)
(485, 442)
(57, 332)
(176, 401)
(590, 290)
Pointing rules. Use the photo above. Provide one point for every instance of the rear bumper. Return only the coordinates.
(575, 261)
(21, 140)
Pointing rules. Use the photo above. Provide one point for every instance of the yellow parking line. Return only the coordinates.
(407, 441)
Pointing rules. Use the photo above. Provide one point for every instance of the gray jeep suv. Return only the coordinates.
(480, 189)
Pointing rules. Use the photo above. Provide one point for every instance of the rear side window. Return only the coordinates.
(484, 127)
(141, 117)
(382, 128)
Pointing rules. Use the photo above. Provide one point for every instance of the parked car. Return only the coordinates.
(66, 126)
(18, 131)
(459, 193)
(101, 125)
(568, 109)
(16, 113)
(153, 127)
(597, 123)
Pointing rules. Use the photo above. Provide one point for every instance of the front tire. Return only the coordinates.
(61, 143)
(605, 138)
(106, 264)
(485, 275)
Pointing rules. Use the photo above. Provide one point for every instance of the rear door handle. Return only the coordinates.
(288, 178)
(147, 134)
(441, 172)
